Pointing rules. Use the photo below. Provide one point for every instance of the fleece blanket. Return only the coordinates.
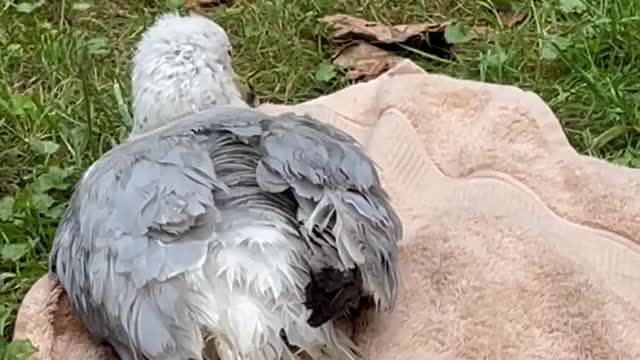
(515, 247)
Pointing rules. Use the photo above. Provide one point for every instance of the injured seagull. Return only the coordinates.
(255, 231)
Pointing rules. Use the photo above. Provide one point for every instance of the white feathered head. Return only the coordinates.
(182, 65)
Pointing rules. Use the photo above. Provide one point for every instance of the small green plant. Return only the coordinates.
(457, 34)
(326, 73)
(15, 350)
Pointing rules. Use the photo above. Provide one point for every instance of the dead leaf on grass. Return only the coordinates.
(511, 19)
(200, 6)
(364, 61)
(347, 27)
(425, 37)
(480, 29)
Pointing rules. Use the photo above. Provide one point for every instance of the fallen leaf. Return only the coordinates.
(347, 27)
(199, 6)
(480, 29)
(364, 61)
(425, 37)
(512, 19)
(190, 4)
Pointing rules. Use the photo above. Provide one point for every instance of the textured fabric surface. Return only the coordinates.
(516, 247)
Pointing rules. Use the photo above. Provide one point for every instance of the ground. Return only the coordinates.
(64, 88)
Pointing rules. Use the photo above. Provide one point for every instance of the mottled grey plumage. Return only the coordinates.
(226, 224)
(181, 65)
(146, 246)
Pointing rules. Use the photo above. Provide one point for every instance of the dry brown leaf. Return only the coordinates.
(347, 27)
(512, 19)
(480, 29)
(364, 61)
(199, 6)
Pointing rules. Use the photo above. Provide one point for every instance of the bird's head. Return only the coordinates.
(182, 65)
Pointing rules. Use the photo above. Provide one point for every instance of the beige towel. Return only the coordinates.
(516, 247)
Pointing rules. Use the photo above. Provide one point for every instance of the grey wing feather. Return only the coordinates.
(339, 190)
(142, 215)
(335, 183)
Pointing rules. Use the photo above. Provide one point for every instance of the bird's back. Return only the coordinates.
(258, 266)
(229, 224)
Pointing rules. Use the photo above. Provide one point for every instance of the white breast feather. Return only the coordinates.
(258, 285)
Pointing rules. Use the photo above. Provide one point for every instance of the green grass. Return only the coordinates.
(63, 65)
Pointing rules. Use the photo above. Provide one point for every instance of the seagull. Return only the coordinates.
(218, 232)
